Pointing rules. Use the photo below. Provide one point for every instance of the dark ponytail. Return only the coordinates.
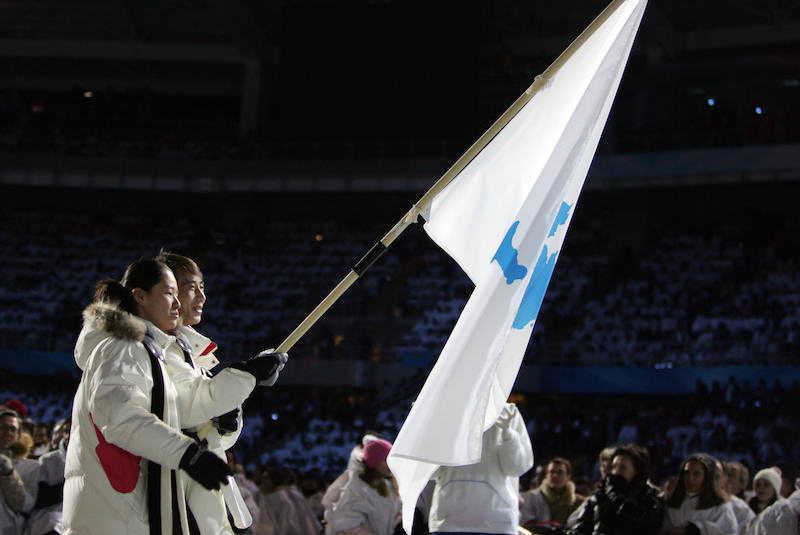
(112, 292)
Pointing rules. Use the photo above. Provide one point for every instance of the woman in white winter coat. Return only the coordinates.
(698, 506)
(354, 467)
(126, 445)
(369, 502)
(775, 515)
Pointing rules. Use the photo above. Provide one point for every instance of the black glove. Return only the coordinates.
(616, 489)
(49, 494)
(264, 367)
(205, 467)
(227, 423)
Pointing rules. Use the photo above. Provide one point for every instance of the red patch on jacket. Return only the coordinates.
(121, 467)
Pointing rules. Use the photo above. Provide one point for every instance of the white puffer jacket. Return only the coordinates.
(202, 397)
(114, 432)
(484, 497)
(360, 505)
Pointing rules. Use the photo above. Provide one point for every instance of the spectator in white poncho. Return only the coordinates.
(775, 514)
(698, 507)
(334, 490)
(369, 502)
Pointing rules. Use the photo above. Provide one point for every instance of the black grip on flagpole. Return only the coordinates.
(368, 259)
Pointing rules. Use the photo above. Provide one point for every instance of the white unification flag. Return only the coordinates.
(503, 218)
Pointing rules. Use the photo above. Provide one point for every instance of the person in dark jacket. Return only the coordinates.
(625, 503)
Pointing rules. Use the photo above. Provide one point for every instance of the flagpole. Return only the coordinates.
(420, 206)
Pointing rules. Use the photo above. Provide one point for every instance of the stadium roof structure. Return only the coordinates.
(184, 44)
(397, 70)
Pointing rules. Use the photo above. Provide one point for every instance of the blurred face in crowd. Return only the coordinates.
(557, 475)
(694, 474)
(539, 474)
(41, 435)
(266, 482)
(160, 304)
(191, 293)
(9, 431)
(605, 462)
(787, 487)
(735, 484)
(622, 466)
(61, 432)
(764, 491)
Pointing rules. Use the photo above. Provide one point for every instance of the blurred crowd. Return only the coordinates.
(298, 445)
(700, 296)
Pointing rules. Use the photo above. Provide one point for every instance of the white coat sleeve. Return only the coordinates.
(533, 508)
(200, 398)
(29, 472)
(119, 392)
(515, 452)
(743, 518)
(777, 519)
(349, 512)
(724, 523)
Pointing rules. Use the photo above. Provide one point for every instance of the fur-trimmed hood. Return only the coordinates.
(101, 320)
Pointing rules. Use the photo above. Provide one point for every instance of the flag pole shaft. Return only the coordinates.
(411, 216)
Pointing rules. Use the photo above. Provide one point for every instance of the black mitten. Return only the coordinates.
(227, 423)
(264, 367)
(205, 467)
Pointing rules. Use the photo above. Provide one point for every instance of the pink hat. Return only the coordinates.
(376, 451)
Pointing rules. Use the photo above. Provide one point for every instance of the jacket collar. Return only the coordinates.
(202, 347)
(162, 339)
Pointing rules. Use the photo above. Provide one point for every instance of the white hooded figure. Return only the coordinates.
(484, 497)
(368, 503)
(778, 518)
(334, 490)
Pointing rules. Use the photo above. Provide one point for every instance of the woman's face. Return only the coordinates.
(622, 466)
(694, 475)
(764, 491)
(160, 305)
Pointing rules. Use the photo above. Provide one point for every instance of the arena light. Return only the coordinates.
(759, 110)
(711, 101)
(88, 94)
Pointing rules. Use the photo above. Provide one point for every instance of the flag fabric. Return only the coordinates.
(503, 218)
